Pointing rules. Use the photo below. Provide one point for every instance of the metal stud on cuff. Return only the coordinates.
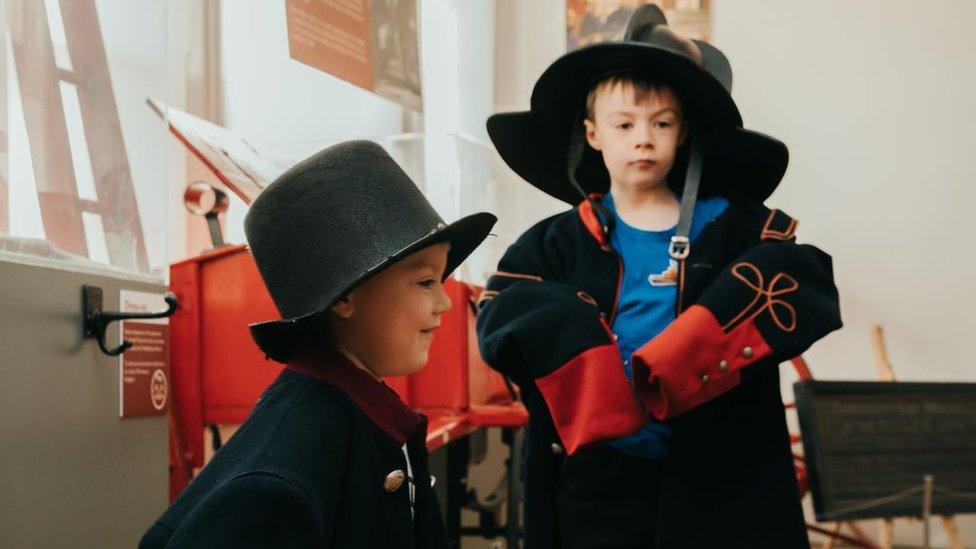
(724, 365)
(747, 352)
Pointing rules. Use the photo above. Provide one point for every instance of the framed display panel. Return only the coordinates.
(866, 441)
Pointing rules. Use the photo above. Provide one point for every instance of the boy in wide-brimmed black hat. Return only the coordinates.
(645, 325)
(353, 256)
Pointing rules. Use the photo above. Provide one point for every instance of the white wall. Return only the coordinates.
(269, 97)
(528, 37)
(874, 99)
(185, 48)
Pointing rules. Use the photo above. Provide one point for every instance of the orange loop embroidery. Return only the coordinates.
(780, 284)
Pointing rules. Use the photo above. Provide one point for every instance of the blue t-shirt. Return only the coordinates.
(646, 306)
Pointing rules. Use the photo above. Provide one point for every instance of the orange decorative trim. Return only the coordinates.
(486, 295)
(769, 233)
(616, 292)
(517, 275)
(591, 399)
(771, 292)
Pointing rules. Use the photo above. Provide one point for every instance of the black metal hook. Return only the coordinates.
(96, 320)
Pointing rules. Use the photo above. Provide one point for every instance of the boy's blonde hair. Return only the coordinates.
(644, 86)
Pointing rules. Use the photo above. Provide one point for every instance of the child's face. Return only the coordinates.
(638, 139)
(388, 321)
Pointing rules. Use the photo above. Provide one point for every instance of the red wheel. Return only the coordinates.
(802, 478)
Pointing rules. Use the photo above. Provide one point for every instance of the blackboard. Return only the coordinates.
(868, 440)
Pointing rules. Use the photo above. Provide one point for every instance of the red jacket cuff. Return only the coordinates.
(591, 399)
(693, 361)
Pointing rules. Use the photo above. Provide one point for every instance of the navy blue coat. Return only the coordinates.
(749, 297)
(309, 468)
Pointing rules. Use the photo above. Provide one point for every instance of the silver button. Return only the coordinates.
(615, 337)
(724, 365)
(747, 352)
(556, 449)
(705, 378)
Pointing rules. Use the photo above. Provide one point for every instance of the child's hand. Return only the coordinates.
(555, 336)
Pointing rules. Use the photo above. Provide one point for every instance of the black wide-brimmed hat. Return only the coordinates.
(536, 143)
(334, 220)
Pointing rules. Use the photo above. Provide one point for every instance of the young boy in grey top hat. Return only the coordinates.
(354, 258)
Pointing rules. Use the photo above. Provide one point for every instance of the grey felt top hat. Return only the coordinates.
(537, 143)
(332, 221)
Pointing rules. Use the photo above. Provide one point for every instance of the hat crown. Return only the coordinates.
(663, 36)
(648, 25)
(331, 219)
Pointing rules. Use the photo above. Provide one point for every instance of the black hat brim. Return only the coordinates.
(561, 90)
(277, 339)
(737, 161)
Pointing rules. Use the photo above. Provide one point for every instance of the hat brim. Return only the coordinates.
(560, 91)
(279, 338)
(746, 162)
(737, 161)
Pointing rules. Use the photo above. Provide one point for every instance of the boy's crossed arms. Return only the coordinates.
(769, 305)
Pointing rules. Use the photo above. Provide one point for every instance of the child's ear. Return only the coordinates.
(344, 308)
(591, 136)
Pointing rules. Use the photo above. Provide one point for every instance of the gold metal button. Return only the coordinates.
(747, 352)
(556, 449)
(705, 378)
(394, 480)
(724, 365)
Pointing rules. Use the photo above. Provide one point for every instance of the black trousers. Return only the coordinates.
(606, 499)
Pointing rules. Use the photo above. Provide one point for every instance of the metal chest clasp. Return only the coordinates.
(680, 247)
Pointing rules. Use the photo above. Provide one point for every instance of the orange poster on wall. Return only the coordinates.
(369, 43)
(592, 21)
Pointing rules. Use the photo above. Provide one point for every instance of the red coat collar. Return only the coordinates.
(378, 401)
(591, 221)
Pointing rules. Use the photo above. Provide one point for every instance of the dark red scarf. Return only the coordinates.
(378, 401)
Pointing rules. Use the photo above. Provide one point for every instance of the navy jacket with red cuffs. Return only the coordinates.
(749, 297)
